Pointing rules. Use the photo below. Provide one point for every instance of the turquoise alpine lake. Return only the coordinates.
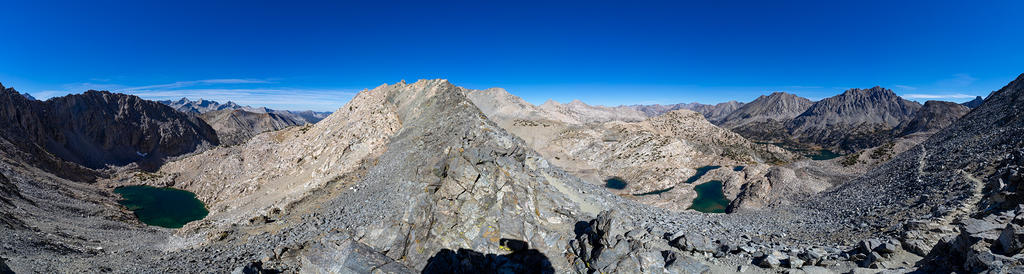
(710, 198)
(163, 207)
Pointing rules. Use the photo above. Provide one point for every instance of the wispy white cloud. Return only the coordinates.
(201, 82)
(958, 80)
(937, 96)
(904, 87)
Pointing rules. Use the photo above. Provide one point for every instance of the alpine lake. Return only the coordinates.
(163, 207)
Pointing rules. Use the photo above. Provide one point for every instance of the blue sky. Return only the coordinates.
(313, 55)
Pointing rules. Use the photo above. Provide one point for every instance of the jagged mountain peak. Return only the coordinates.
(852, 120)
(974, 103)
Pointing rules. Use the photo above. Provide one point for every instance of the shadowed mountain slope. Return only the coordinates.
(99, 128)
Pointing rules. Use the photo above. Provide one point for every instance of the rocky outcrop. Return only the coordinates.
(611, 243)
(235, 126)
(853, 120)
(764, 118)
(935, 115)
(99, 128)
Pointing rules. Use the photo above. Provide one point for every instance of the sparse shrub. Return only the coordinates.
(851, 159)
(883, 151)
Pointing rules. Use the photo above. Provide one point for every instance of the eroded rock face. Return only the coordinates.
(99, 128)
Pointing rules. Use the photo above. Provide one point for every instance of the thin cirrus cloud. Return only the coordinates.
(905, 87)
(937, 96)
(205, 82)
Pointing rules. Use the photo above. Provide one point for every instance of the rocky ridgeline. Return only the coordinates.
(99, 128)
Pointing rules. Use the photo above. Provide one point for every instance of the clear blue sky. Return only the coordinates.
(312, 55)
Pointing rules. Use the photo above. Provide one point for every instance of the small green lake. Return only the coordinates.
(822, 154)
(163, 207)
(710, 198)
(814, 154)
(615, 183)
(700, 173)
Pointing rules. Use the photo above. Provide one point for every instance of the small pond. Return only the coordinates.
(822, 154)
(814, 154)
(737, 168)
(164, 207)
(700, 173)
(710, 198)
(615, 183)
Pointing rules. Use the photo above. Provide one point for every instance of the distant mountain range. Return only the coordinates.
(236, 123)
(853, 120)
(203, 106)
(714, 113)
